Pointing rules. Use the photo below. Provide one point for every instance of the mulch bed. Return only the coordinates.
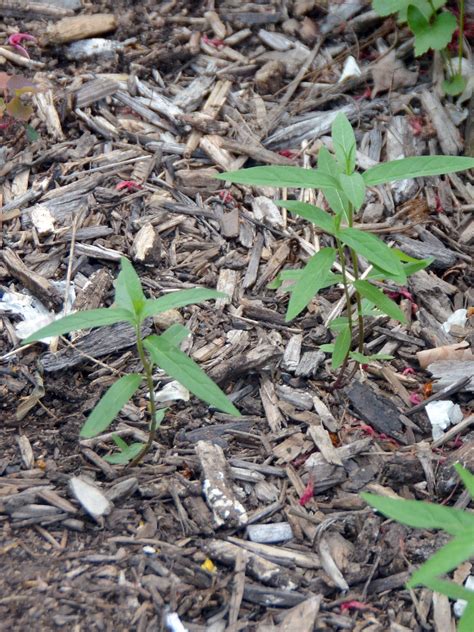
(173, 97)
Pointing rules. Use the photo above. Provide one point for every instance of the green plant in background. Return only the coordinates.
(457, 523)
(433, 29)
(344, 189)
(12, 106)
(131, 305)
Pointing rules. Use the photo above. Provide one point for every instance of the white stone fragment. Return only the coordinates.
(442, 414)
(351, 69)
(173, 391)
(92, 500)
(459, 318)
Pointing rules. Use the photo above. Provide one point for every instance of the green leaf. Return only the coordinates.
(111, 404)
(461, 548)
(278, 176)
(336, 198)
(466, 477)
(451, 590)
(386, 7)
(466, 623)
(454, 85)
(363, 359)
(127, 452)
(82, 320)
(175, 334)
(435, 33)
(416, 167)
(178, 299)
(188, 373)
(344, 143)
(417, 513)
(328, 348)
(341, 347)
(312, 279)
(373, 249)
(337, 324)
(313, 214)
(128, 289)
(354, 187)
(380, 300)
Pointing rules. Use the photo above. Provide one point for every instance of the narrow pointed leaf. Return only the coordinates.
(312, 279)
(182, 368)
(466, 477)
(341, 347)
(380, 300)
(466, 623)
(373, 249)
(128, 289)
(451, 590)
(175, 334)
(111, 404)
(416, 167)
(336, 198)
(354, 187)
(278, 176)
(178, 299)
(127, 454)
(344, 142)
(82, 320)
(461, 548)
(417, 513)
(313, 214)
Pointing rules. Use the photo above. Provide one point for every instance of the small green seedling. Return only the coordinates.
(161, 351)
(12, 106)
(456, 522)
(344, 189)
(433, 29)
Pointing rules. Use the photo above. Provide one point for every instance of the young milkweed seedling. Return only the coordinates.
(131, 305)
(456, 522)
(344, 189)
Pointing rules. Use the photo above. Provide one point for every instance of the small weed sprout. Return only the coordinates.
(457, 523)
(344, 189)
(13, 109)
(161, 351)
(433, 29)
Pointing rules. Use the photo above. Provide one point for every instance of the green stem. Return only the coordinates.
(345, 282)
(355, 265)
(148, 370)
(360, 318)
(461, 35)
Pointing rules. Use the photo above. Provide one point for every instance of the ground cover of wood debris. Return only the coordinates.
(177, 92)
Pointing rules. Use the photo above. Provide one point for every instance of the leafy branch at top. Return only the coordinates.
(163, 351)
(344, 189)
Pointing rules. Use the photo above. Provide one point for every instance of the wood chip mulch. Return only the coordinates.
(131, 137)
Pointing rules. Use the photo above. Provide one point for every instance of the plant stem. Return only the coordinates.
(345, 283)
(360, 318)
(148, 370)
(461, 35)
